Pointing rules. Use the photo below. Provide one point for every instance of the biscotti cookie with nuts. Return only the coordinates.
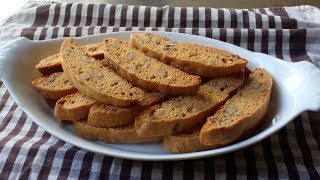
(146, 72)
(242, 113)
(122, 134)
(184, 112)
(52, 63)
(94, 80)
(54, 86)
(104, 115)
(185, 142)
(73, 107)
(191, 58)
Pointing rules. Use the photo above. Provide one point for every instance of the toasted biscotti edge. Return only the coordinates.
(48, 68)
(50, 93)
(242, 125)
(76, 112)
(103, 115)
(185, 142)
(52, 64)
(122, 134)
(191, 67)
(190, 86)
(150, 122)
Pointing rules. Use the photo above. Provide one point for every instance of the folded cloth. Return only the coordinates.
(289, 33)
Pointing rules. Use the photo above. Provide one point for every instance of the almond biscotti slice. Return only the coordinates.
(122, 134)
(243, 112)
(146, 72)
(73, 107)
(104, 115)
(52, 63)
(54, 86)
(94, 80)
(185, 142)
(184, 112)
(191, 58)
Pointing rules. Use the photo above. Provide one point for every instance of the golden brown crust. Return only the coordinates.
(191, 58)
(184, 112)
(73, 107)
(94, 80)
(54, 86)
(241, 113)
(146, 72)
(52, 63)
(103, 115)
(123, 134)
(185, 142)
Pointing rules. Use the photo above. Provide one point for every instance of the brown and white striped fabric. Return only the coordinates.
(291, 34)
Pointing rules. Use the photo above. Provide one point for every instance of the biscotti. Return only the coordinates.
(94, 80)
(54, 86)
(73, 107)
(191, 58)
(52, 63)
(185, 142)
(146, 72)
(104, 115)
(122, 134)
(184, 112)
(243, 112)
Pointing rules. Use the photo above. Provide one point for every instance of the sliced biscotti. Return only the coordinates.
(54, 86)
(146, 72)
(104, 115)
(122, 134)
(185, 142)
(191, 58)
(73, 107)
(52, 63)
(184, 112)
(243, 112)
(94, 80)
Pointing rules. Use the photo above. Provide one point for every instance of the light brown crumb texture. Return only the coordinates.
(147, 72)
(52, 63)
(54, 86)
(185, 142)
(191, 58)
(73, 107)
(95, 80)
(184, 112)
(103, 115)
(123, 134)
(240, 113)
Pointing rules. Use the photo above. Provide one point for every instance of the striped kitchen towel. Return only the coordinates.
(289, 33)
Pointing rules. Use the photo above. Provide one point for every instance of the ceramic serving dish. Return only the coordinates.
(296, 89)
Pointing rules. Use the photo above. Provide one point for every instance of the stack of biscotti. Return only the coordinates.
(236, 119)
(149, 89)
